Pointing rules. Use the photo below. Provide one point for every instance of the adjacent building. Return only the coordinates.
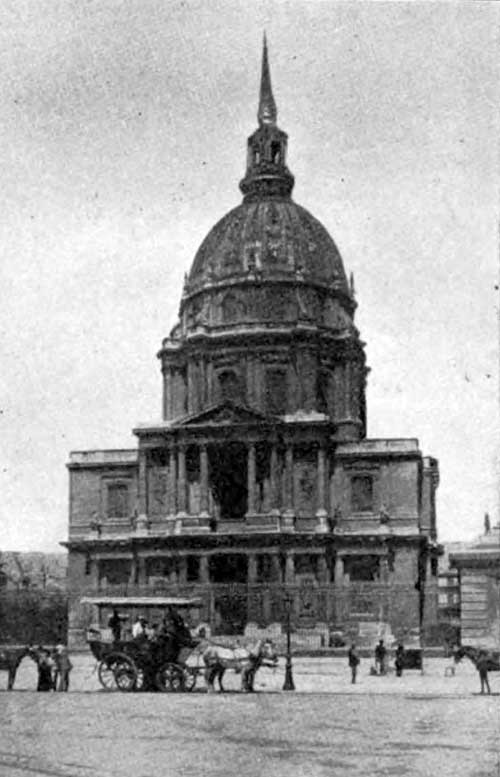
(478, 570)
(259, 486)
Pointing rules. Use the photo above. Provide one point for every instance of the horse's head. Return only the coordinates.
(458, 654)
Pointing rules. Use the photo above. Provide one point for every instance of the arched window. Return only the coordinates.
(276, 399)
(276, 152)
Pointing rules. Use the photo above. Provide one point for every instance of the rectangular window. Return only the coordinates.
(362, 569)
(276, 392)
(322, 392)
(362, 494)
(117, 500)
(193, 569)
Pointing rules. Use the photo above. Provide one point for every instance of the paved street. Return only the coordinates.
(417, 726)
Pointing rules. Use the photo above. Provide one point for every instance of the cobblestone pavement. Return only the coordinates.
(419, 725)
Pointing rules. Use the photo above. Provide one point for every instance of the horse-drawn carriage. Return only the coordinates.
(142, 663)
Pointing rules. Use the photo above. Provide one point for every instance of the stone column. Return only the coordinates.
(183, 570)
(203, 480)
(252, 569)
(172, 575)
(276, 568)
(339, 570)
(141, 571)
(94, 574)
(321, 513)
(355, 389)
(274, 480)
(289, 516)
(251, 479)
(167, 394)
(204, 569)
(347, 389)
(289, 567)
(142, 518)
(181, 480)
(172, 481)
(384, 569)
(132, 578)
(322, 570)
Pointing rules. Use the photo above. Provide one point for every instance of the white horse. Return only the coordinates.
(218, 658)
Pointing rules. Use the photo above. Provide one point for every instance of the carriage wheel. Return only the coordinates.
(106, 671)
(106, 675)
(170, 678)
(126, 674)
(190, 674)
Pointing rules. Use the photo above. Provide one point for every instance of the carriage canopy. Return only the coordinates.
(142, 601)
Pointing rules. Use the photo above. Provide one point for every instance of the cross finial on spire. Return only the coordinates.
(267, 112)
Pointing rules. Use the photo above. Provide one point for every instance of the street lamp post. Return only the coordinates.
(288, 685)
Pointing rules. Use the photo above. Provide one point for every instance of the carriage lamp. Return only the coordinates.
(288, 685)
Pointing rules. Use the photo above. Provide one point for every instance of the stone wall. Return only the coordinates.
(480, 608)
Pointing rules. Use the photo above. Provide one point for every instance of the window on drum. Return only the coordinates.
(276, 392)
(230, 386)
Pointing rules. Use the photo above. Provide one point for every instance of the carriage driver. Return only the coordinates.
(115, 625)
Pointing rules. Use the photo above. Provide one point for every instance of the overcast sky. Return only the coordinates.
(123, 138)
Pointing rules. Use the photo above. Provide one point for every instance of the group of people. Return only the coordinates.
(142, 630)
(380, 660)
(54, 667)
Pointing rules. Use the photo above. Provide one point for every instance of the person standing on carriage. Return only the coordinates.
(138, 628)
(115, 624)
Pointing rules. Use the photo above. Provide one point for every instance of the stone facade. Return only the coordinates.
(478, 568)
(259, 483)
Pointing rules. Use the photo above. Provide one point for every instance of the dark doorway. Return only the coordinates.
(229, 571)
(228, 479)
(228, 568)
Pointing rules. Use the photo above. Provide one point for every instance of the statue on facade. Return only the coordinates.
(384, 516)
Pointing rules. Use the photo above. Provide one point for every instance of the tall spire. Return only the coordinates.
(267, 113)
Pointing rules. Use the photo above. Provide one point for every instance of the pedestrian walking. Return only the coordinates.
(63, 668)
(399, 659)
(482, 668)
(45, 668)
(380, 653)
(115, 624)
(353, 659)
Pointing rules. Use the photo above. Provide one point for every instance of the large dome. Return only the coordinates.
(274, 238)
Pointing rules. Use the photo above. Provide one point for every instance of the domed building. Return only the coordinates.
(259, 486)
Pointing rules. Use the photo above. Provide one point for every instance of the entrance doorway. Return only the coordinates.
(228, 479)
(229, 574)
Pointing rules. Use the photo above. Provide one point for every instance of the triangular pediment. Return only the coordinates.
(226, 414)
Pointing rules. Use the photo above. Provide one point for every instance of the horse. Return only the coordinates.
(473, 653)
(218, 658)
(10, 658)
